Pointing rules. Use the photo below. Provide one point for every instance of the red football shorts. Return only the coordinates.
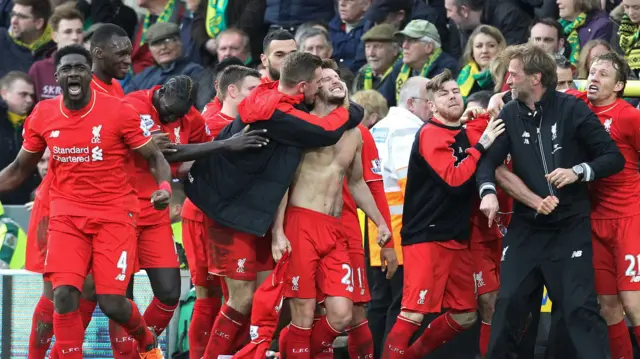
(37, 237)
(319, 262)
(486, 262)
(361, 292)
(437, 277)
(156, 248)
(196, 248)
(79, 245)
(616, 254)
(238, 255)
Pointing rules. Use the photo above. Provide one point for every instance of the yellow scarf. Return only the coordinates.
(42, 40)
(629, 33)
(571, 31)
(15, 119)
(405, 71)
(216, 21)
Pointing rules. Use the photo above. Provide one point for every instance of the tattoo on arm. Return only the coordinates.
(485, 141)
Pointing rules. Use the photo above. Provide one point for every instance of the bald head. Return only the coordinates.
(413, 97)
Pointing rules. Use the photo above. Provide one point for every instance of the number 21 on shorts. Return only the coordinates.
(347, 279)
(122, 265)
(633, 270)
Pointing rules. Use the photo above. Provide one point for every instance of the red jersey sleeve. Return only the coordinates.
(372, 169)
(200, 133)
(582, 95)
(475, 128)
(437, 148)
(33, 138)
(631, 127)
(133, 129)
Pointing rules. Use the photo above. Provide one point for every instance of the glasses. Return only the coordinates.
(20, 16)
(501, 227)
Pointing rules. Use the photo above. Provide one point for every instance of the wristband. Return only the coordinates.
(165, 186)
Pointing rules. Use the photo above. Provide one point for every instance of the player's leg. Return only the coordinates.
(459, 296)
(114, 252)
(42, 323)
(486, 261)
(627, 258)
(67, 263)
(360, 340)
(569, 277)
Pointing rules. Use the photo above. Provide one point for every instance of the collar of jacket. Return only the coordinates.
(171, 68)
(547, 99)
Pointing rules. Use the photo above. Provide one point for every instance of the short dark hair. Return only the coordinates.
(41, 9)
(619, 64)
(233, 75)
(72, 50)
(104, 33)
(65, 11)
(298, 67)
(562, 62)
(535, 60)
(329, 64)
(180, 87)
(436, 82)
(226, 63)
(276, 35)
(548, 22)
(474, 5)
(7, 80)
(483, 97)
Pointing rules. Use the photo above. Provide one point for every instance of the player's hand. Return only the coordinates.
(388, 261)
(490, 206)
(496, 104)
(493, 130)
(346, 102)
(163, 142)
(160, 199)
(561, 177)
(279, 245)
(247, 139)
(384, 235)
(28, 206)
(547, 205)
(471, 113)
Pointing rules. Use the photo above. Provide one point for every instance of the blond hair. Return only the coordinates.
(372, 102)
(488, 30)
(437, 82)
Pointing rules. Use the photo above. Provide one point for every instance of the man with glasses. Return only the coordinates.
(166, 49)
(28, 38)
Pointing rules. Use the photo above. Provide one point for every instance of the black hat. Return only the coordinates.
(379, 9)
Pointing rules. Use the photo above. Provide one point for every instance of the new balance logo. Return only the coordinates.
(576, 254)
(121, 277)
(54, 134)
(96, 154)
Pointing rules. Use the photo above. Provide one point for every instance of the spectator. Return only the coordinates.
(67, 26)
(13, 243)
(288, 15)
(109, 11)
(484, 45)
(565, 74)
(207, 82)
(215, 16)
(629, 34)
(548, 34)
(157, 11)
(315, 41)
(590, 51)
(381, 51)
(189, 47)
(479, 99)
(375, 106)
(583, 21)
(88, 34)
(16, 90)
(311, 25)
(505, 15)
(276, 46)
(394, 137)
(29, 37)
(346, 29)
(166, 48)
(422, 55)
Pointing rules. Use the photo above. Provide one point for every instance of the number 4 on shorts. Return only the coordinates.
(122, 265)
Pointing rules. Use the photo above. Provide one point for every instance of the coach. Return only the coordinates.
(557, 146)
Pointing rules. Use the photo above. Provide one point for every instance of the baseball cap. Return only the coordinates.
(419, 28)
(379, 9)
(161, 30)
(382, 32)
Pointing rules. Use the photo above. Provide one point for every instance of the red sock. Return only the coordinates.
(121, 342)
(41, 329)
(243, 337)
(440, 331)
(485, 333)
(204, 314)
(620, 341)
(69, 334)
(398, 339)
(86, 311)
(158, 315)
(360, 341)
(225, 329)
(282, 340)
(137, 328)
(322, 337)
(298, 342)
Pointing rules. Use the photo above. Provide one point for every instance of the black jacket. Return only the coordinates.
(561, 133)
(243, 190)
(507, 16)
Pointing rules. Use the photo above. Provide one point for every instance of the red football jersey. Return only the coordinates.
(216, 122)
(372, 171)
(190, 128)
(114, 89)
(89, 148)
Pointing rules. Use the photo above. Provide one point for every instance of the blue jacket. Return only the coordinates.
(347, 48)
(388, 86)
(156, 75)
(18, 58)
(287, 13)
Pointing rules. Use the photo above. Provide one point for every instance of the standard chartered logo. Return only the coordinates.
(96, 153)
(77, 154)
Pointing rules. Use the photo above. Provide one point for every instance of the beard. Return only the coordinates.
(450, 114)
(335, 100)
(273, 73)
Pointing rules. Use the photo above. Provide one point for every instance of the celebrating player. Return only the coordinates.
(111, 53)
(93, 206)
(311, 217)
(435, 226)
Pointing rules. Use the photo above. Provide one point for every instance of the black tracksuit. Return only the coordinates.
(553, 250)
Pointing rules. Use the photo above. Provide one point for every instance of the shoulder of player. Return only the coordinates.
(431, 135)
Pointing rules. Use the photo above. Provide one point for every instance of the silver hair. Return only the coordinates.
(306, 34)
(427, 39)
(412, 89)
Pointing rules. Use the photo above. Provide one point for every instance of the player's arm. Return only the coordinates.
(12, 176)
(161, 171)
(516, 188)
(279, 242)
(492, 159)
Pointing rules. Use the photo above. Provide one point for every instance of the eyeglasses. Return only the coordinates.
(20, 16)
(501, 227)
